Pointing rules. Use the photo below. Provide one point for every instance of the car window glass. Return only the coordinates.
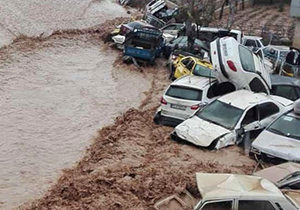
(177, 41)
(294, 186)
(247, 60)
(186, 61)
(221, 113)
(257, 86)
(250, 43)
(178, 27)
(202, 71)
(184, 93)
(286, 125)
(270, 53)
(258, 44)
(267, 109)
(257, 205)
(222, 205)
(183, 40)
(171, 27)
(251, 116)
(190, 65)
(285, 91)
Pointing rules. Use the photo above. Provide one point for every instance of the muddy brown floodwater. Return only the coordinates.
(54, 97)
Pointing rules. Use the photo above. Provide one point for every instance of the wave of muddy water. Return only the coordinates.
(54, 96)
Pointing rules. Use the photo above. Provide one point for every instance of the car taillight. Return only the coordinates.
(163, 101)
(195, 107)
(231, 65)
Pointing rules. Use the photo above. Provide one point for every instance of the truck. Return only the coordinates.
(144, 44)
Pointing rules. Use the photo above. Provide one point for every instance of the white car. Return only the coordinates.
(253, 42)
(155, 5)
(183, 98)
(236, 63)
(281, 139)
(220, 123)
(230, 192)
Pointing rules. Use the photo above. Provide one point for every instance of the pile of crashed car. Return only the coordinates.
(227, 89)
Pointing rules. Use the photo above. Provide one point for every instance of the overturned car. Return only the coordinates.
(236, 63)
(222, 122)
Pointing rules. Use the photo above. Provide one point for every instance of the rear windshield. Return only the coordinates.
(247, 60)
(202, 71)
(184, 93)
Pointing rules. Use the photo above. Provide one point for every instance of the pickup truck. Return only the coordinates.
(145, 44)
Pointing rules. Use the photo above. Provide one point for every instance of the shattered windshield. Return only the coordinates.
(202, 71)
(221, 114)
(287, 125)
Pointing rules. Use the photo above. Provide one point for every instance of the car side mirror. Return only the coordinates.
(171, 42)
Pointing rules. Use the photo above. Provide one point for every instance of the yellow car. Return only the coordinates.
(191, 65)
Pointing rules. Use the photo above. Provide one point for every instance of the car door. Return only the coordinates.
(182, 67)
(267, 113)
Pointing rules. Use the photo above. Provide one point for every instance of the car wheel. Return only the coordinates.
(157, 118)
(213, 144)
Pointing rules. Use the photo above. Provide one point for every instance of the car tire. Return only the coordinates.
(212, 146)
(157, 118)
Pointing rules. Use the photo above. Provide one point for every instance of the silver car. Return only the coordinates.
(281, 139)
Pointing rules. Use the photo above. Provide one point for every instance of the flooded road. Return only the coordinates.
(53, 99)
(54, 94)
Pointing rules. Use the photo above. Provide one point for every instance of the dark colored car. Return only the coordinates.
(145, 44)
(287, 87)
(181, 43)
(128, 27)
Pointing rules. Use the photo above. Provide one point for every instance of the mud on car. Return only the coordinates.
(222, 122)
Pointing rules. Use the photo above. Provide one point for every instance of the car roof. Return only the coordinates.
(243, 98)
(279, 47)
(252, 37)
(278, 172)
(193, 81)
(210, 29)
(282, 80)
(218, 186)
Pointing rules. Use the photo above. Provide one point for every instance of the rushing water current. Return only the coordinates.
(54, 95)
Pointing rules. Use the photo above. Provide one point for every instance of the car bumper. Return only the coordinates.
(170, 121)
(270, 157)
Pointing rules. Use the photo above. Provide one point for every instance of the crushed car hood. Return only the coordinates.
(277, 145)
(199, 132)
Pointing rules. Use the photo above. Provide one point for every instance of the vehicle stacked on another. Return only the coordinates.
(236, 63)
(190, 65)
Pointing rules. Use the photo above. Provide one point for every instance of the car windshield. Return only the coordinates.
(270, 53)
(221, 114)
(286, 125)
(247, 60)
(202, 71)
(184, 93)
